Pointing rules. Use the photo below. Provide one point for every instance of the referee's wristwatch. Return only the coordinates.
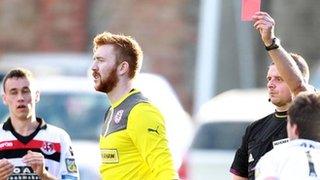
(274, 45)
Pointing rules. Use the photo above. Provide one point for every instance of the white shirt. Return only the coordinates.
(53, 142)
(298, 159)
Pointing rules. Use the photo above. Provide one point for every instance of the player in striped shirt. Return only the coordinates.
(30, 148)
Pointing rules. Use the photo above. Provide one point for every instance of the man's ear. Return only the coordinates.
(37, 97)
(123, 68)
(295, 130)
(4, 99)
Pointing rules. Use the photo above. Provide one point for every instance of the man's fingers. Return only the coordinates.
(5, 176)
(265, 18)
(5, 165)
(260, 23)
(33, 155)
(262, 13)
(6, 169)
(34, 161)
(257, 23)
(266, 24)
(262, 27)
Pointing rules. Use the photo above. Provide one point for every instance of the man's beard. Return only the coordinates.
(110, 83)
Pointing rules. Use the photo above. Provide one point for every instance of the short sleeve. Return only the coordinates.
(68, 167)
(239, 165)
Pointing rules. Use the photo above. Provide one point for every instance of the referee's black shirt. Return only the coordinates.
(258, 140)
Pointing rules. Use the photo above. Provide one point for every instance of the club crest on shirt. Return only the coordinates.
(71, 165)
(118, 116)
(48, 148)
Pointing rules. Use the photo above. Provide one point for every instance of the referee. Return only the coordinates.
(264, 134)
(293, 76)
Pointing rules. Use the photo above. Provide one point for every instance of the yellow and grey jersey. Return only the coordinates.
(133, 141)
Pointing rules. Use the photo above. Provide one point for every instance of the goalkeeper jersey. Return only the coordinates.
(133, 141)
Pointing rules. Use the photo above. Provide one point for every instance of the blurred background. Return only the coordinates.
(199, 46)
(170, 33)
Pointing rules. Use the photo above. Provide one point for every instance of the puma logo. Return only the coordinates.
(153, 130)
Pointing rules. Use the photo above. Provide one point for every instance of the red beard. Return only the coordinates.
(107, 85)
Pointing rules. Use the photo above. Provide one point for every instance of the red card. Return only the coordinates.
(249, 7)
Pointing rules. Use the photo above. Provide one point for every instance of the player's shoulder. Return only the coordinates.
(260, 123)
(263, 119)
(145, 107)
(5, 134)
(286, 149)
(275, 155)
(52, 129)
(305, 144)
(1, 126)
(145, 113)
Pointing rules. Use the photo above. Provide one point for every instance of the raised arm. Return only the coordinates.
(284, 62)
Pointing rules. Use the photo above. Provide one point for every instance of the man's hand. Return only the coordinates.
(36, 161)
(263, 22)
(6, 169)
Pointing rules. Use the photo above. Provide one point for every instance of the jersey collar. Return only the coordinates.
(7, 126)
(117, 103)
(282, 114)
